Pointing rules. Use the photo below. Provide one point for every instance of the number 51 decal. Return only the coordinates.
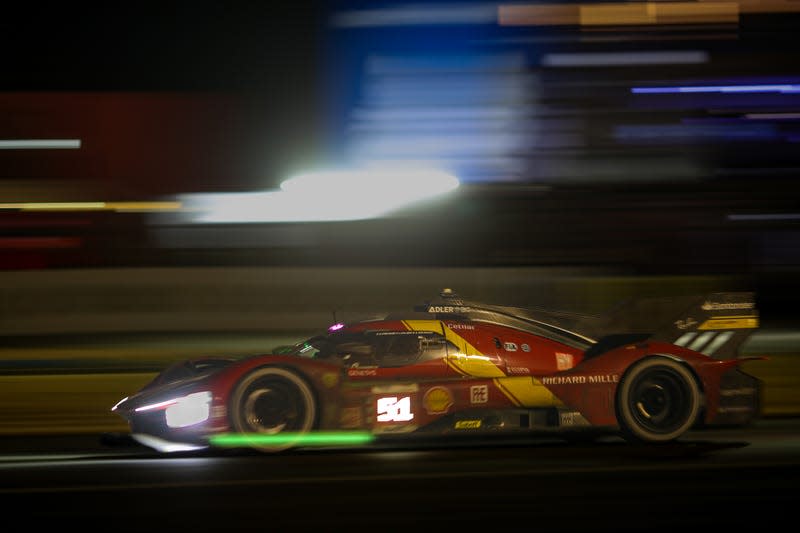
(392, 409)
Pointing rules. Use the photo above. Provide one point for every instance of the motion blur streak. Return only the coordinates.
(607, 13)
(761, 88)
(415, 16)
(772, 116)
(93, 206)
(766, 216)
(766, 6)
(323, 196)
(598, 59)
(614, 13)
(628, 13)
(35, 144)
(468, 112)
(40, 242)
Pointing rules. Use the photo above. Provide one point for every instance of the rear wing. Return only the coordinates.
(715, 324)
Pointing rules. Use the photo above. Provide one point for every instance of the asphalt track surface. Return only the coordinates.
(722, 478)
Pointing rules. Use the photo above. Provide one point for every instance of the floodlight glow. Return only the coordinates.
(387, 187)
(324, 196)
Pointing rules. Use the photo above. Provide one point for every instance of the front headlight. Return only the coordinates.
(184, 411)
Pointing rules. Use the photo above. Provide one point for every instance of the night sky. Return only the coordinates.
(161, 45)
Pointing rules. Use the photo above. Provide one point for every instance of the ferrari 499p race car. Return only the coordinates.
(649, 371)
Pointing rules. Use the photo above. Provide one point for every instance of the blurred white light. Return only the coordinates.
(386, 187)
(191, 409)
(324, 196)
(39, 144)
(184, 411)
(165, 446)
(116, 405)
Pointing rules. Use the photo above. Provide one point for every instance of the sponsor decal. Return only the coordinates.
(394, 409)
(468, 424)
(509, 347)
(571, 418)
(686, 324)
(716, 306)
(330, 379)
(460, 326)
(362, 371)
(564, 361)
(437, 400)
(394, 333)
(519, 370)
(448, 309)
(479, 394)
(525, 348)
(580, 380)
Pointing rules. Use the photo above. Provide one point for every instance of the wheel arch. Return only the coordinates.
(672, 357)
(289, 371)
(685, 365)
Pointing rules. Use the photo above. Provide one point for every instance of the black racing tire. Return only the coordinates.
(658, 400)
(272, 401)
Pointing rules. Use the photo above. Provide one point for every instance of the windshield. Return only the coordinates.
(306, 348)
(374, 348)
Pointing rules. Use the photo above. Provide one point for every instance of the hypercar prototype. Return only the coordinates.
(648, 370)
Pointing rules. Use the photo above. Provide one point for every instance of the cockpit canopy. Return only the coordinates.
(384, 348)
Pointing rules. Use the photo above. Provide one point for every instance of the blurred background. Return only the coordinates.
(197, 178)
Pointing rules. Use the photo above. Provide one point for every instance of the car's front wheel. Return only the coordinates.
(273, 408)
(658, 400)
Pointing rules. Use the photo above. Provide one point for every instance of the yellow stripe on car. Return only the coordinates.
(526, 391)
(730, 322)
(523, 391)
(468, 361)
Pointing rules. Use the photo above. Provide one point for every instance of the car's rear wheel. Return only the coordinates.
(658, 400)
(272, 408)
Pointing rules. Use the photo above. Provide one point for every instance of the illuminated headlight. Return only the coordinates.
(125, 399)
(183, 411)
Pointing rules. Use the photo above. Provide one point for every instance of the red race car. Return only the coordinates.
(649, 372)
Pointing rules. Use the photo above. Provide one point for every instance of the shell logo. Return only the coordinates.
(437, 400)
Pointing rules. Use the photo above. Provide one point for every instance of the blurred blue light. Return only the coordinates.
(767, 88)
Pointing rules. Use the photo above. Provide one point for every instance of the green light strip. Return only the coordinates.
(298, 439)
